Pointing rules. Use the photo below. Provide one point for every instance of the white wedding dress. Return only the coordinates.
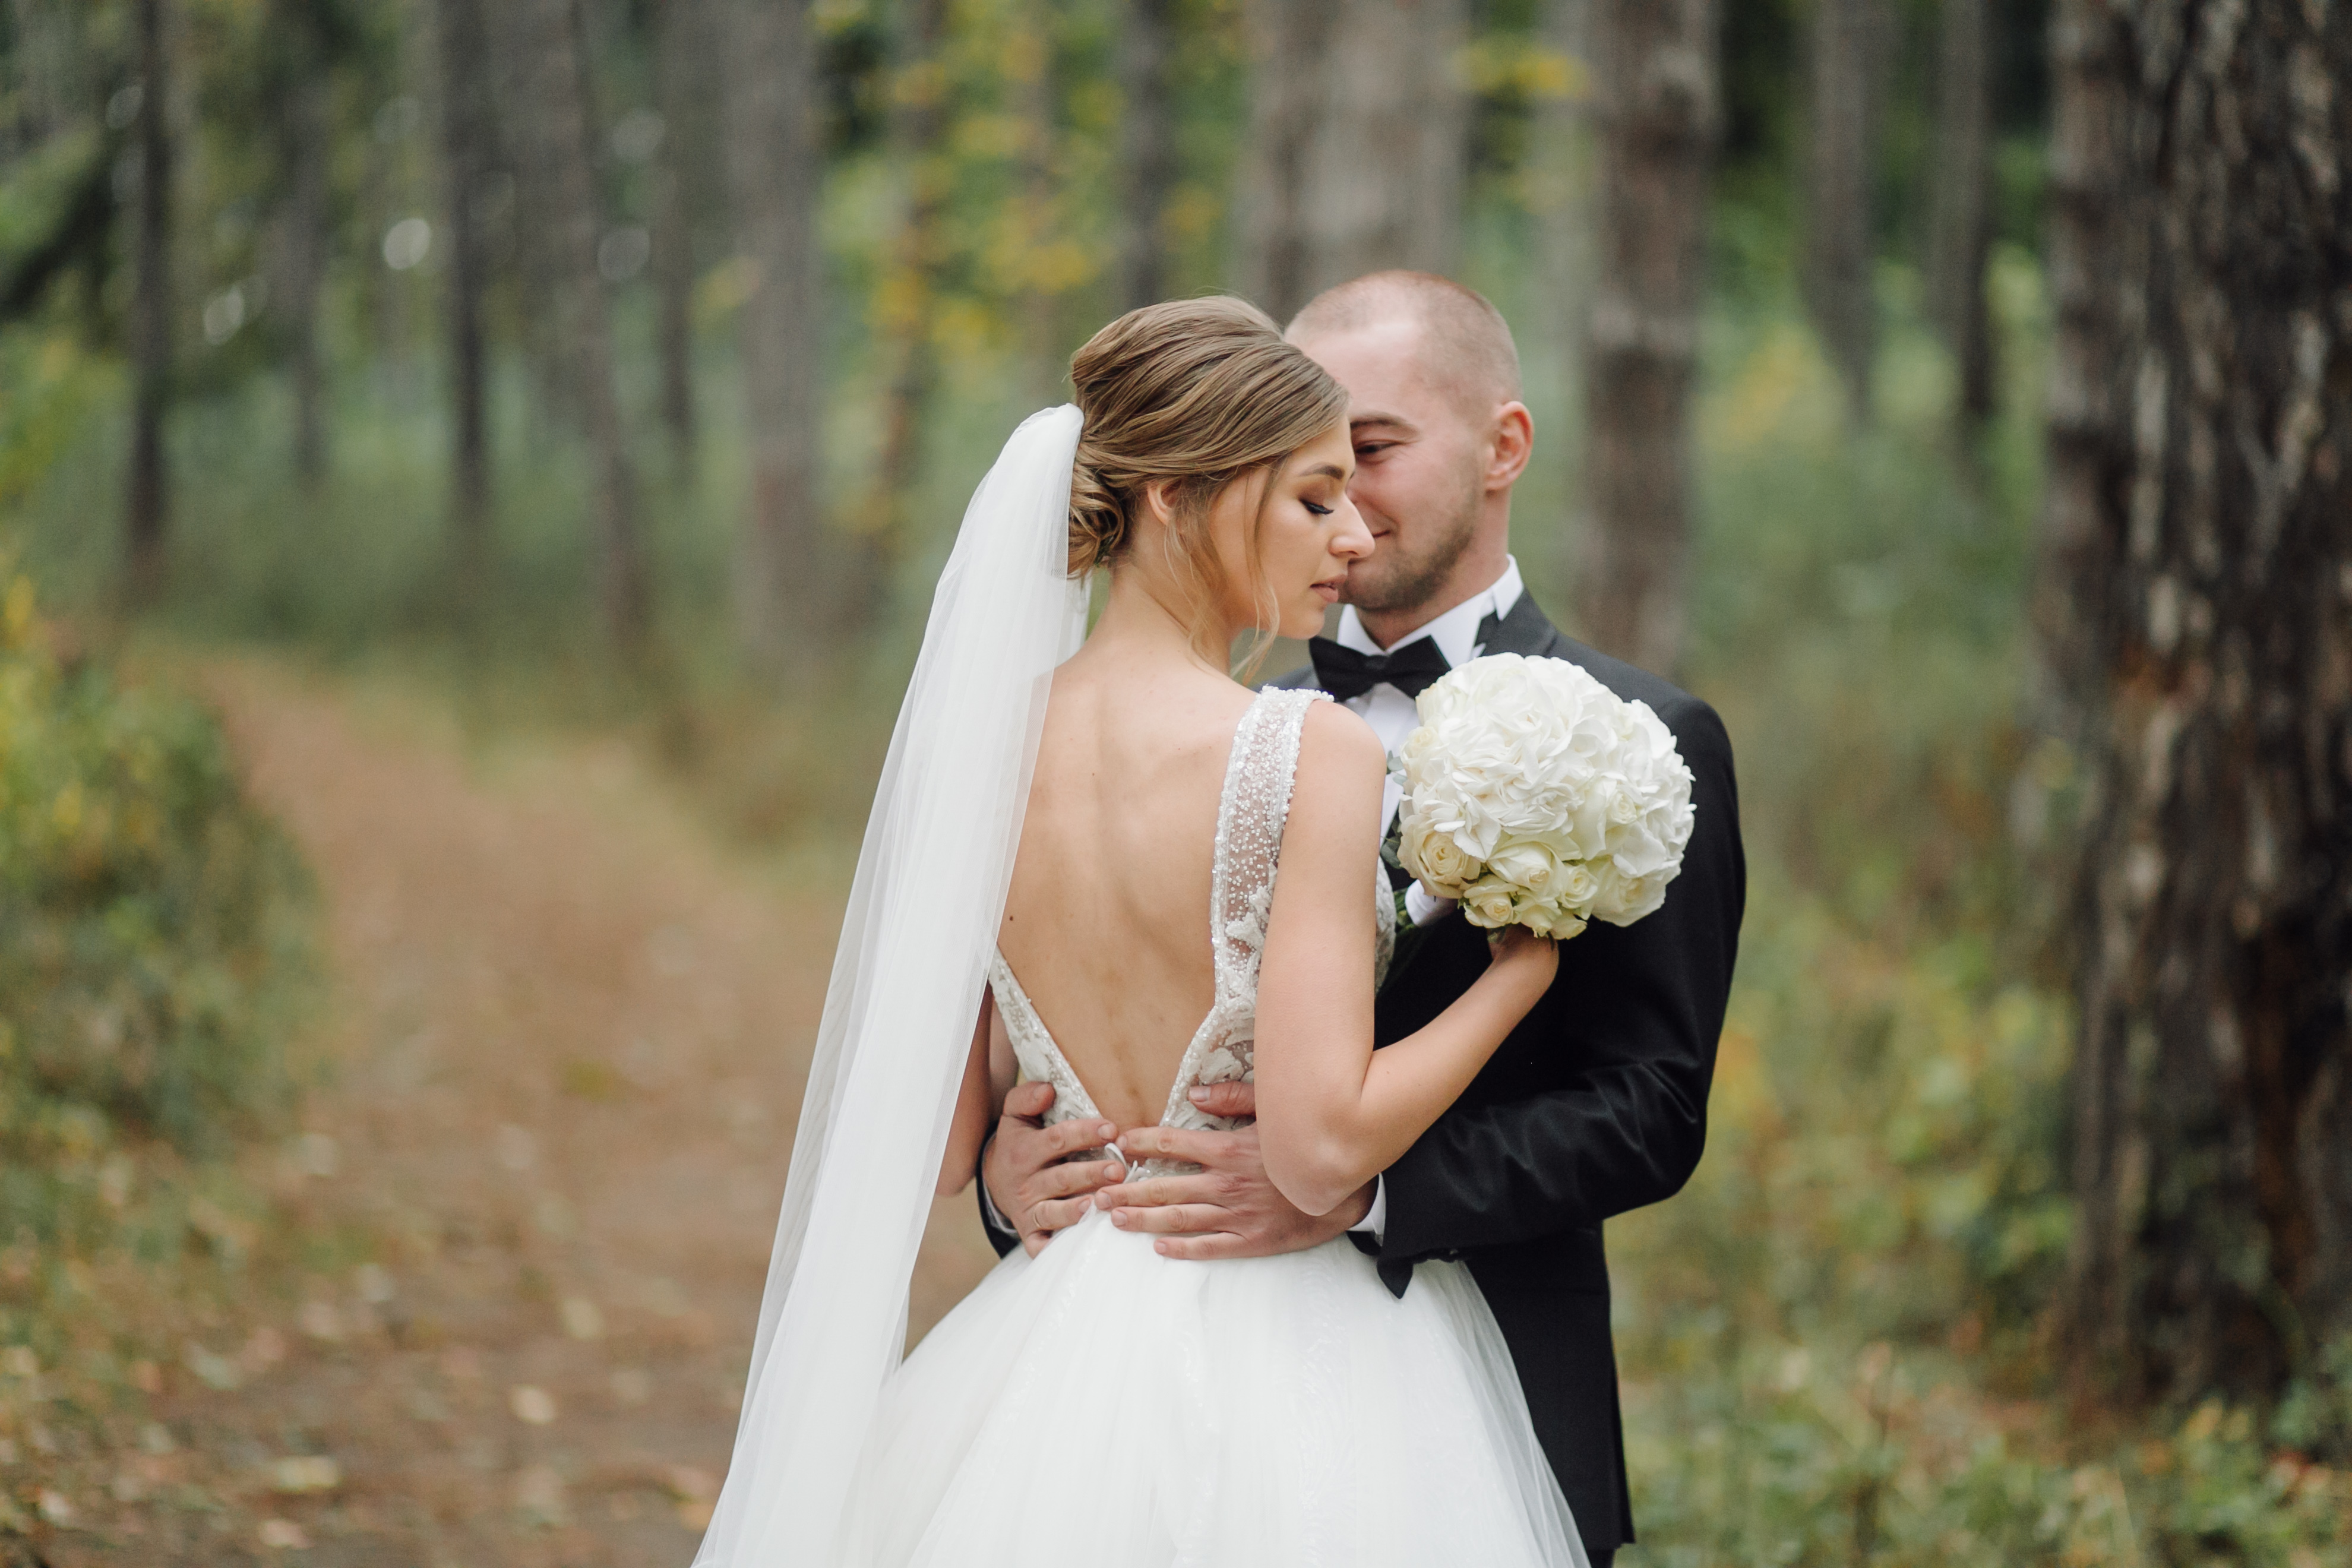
(1102, 1405)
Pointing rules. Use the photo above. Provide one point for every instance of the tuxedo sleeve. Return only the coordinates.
(1000, 1236)
(1626, 1043)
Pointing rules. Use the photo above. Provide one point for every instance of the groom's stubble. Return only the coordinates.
(1417, 557)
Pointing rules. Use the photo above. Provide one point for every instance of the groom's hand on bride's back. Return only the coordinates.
(1228, 1209)
(1032, 1189)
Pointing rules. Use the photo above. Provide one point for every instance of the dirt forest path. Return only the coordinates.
(537, 1193)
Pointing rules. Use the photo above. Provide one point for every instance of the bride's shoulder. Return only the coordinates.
(1336, 750)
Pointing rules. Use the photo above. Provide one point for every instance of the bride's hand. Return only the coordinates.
(1524, 956)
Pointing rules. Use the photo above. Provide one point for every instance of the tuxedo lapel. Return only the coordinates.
(1526, 630)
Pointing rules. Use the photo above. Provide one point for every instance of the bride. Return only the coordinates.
(1057, 829)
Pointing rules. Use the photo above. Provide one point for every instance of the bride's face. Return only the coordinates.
(1308, 534)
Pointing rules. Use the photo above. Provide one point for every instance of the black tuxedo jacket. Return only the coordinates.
(1596, 1104)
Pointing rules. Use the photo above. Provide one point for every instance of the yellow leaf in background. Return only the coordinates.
(305, 1473)
(65, 815)
(1058, 268)
(1504, 63)
(17, 613)
(1743, 1090)
(1782, 389)
(725, 288)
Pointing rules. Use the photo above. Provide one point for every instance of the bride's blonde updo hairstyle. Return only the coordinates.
(1199, 393)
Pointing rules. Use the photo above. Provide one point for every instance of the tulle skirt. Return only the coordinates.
(1105, 1406)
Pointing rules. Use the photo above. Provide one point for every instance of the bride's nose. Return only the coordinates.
(1354, 538)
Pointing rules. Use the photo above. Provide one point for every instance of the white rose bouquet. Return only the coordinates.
(1536, 797)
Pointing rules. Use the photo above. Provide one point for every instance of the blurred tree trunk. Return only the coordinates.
(1655, 106)
(1340, 180)
(466, 151)
(1146, 160)
(304, 130)
(1390, 155)
(1030, 61)
(1960, 220)
(1287, 43)
(556, 114)
(680, 42)
(2197, 614)
(149, 512)
(1847, 43)
(1560, 182)
(778, 170)
(908, 306)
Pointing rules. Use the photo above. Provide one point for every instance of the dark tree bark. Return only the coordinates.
(1030, 64)
(466, 158)
(1847, 44)
(1342, 177)
(149, 512)
(1655, 106)
(1561, 184)
(1960, 227)
(2197, 620)
(1146, 47)
(303, 131)
(557, 117)
(777, 169)
(1389, 161)
(1287, 54)
(680, 43)
(919, 139)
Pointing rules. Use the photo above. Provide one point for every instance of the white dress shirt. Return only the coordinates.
(1392, 716)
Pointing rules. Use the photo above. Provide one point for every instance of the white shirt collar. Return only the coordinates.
(1455, 632)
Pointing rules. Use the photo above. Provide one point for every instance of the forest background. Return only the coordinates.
(619, 368)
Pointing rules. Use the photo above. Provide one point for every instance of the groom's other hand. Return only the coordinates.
(1229, 1209)
(1026, 1180)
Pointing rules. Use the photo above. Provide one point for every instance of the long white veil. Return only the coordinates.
(907, 979)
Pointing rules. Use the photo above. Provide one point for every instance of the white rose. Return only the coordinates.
(1578, 887)
(1489, 902)
(1635, 898)
(1526, 864)
(1551, 921)
(1435, 857)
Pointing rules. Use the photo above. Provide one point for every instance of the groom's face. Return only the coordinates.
(1420, 464)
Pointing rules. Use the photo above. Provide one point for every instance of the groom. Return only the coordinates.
(1597, 1103)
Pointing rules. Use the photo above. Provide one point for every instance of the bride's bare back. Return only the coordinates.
(1108, 920)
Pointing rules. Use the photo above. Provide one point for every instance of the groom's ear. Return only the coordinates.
(1510, 444)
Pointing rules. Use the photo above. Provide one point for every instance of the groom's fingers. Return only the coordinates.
(1172, 1219)
(1078, 1176)
(1177, 1143)
(1157, 1192)
(1235, 1097)
(1217, 1244)
(1071, 1137)
(1059, 1213)
(1027, 1101)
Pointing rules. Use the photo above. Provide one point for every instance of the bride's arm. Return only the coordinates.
(987, 1074)
(1331, 1111)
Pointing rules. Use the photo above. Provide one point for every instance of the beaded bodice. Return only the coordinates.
(1250, 815)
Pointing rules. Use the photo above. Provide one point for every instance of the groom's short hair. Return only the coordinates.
(1465, 343)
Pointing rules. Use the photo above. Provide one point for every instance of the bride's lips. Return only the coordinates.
(1329, 592)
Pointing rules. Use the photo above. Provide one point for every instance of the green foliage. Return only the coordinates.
(150, 921)
(1783, 1456)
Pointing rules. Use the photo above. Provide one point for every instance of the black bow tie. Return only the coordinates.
(1345, 673)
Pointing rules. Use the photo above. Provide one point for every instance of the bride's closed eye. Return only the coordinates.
(1310, 506)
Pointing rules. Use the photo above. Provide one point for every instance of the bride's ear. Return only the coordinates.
(1159, 498)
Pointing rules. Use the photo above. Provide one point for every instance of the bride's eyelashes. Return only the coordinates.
(1310, 506)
